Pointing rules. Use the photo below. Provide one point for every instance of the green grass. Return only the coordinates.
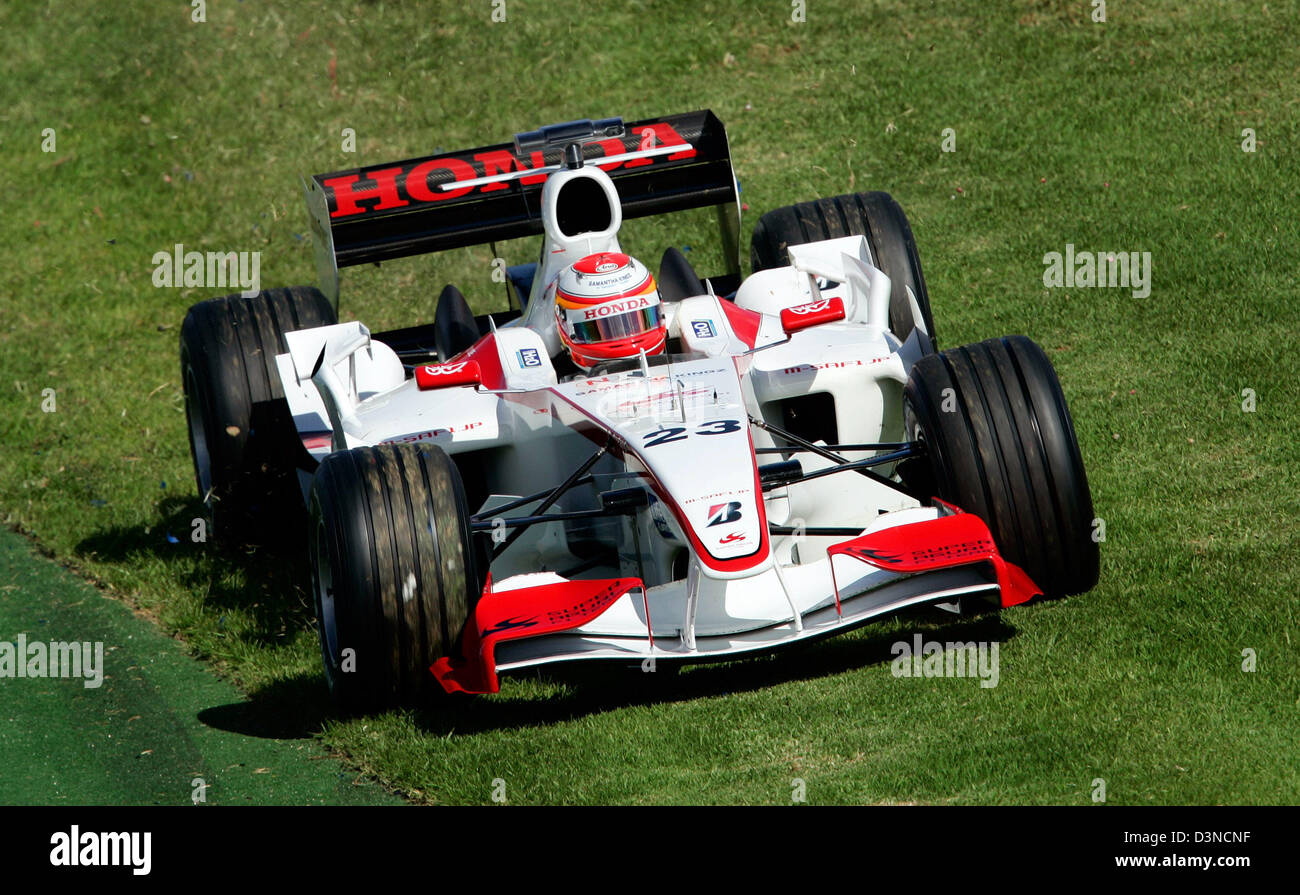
(1117, 136)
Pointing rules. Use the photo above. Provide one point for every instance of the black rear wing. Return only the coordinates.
(422, 205)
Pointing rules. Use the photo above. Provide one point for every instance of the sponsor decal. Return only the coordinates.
(703, 329)
(615, 307)
(590, 286)
(803, 316)
(833, 365)
(398, 186)
(722, 513)
(529, 357)
(625, 408)
(465, 372)
(605, 384)
(435, 433)
(812, 307)
(601, 262)
(732, 538)
(510, 623)
(714, 496)
(593, 605)
(444, 369)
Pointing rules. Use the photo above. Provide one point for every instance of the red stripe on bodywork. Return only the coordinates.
(485, 354)
(743, 322)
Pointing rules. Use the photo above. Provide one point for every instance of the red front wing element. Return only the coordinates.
(953, 540)
(525, 612)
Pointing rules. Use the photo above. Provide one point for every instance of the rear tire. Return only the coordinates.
(242, 437)
(394, 572)
(1000, 443)
(873, 215)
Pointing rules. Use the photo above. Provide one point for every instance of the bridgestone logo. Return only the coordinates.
(77, 849)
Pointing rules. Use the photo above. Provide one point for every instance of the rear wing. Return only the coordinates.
(422, 205)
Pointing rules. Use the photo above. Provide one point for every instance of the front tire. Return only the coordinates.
(394, 572)
(1000, 443)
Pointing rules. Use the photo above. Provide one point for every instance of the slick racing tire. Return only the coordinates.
(1000, 444)
(873, 215)
(242, 437)
(394, 572)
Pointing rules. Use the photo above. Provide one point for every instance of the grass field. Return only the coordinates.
(1125, 135)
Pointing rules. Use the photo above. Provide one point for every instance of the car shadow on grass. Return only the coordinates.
(291, 708)
(267, 586)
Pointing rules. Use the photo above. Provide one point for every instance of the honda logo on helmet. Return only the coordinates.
(616, 307)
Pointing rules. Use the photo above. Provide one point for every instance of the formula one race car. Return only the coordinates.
(624, 467)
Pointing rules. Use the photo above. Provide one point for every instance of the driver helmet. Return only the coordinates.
(607, 307)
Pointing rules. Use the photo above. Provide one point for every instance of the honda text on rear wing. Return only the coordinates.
(422, 205)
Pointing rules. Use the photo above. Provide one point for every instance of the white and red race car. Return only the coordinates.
(797, 462)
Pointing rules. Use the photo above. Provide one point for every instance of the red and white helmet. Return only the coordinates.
(607, 307)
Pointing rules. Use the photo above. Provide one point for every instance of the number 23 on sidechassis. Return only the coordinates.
(798, 462)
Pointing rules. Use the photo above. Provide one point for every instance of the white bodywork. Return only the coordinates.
(715, 582)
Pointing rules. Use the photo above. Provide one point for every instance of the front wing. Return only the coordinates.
(932, 561)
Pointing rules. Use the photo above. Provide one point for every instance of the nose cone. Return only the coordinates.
(686, 425)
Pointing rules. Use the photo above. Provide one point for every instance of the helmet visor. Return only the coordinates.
(616, 326)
